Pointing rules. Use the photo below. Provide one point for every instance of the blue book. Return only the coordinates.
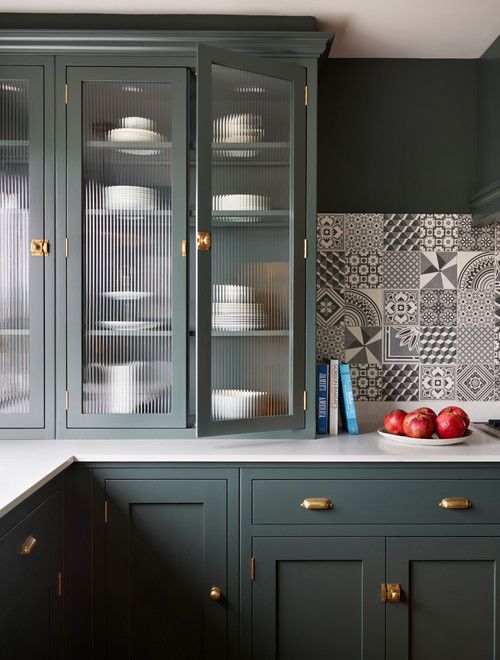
(322, 402)
(347, 409)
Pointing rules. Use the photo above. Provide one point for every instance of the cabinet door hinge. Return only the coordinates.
(66, 94)
(66, 400)
(105, 512)
(306, 96)
(305, 248)
(252, 569)
(184, 248)
(305, 400)
(59, 584)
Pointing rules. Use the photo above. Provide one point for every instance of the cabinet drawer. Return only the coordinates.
(373, 501)
(26, 543)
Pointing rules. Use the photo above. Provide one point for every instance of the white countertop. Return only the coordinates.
(26, 465)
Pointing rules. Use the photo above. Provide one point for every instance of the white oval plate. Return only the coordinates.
(423, 442)
(128, 295)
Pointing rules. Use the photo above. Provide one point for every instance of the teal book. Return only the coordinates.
(347, 408)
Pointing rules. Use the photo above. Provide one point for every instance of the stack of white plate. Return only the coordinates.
(243, 128)
(240, 202)
(232, 293)
(130, 198)
(234, 308)
(238, 404)
(136, 129)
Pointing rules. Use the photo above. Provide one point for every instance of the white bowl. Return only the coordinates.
(137, 122)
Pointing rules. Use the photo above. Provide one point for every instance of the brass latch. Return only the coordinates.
(390, 593)
(203, 241)
(39, 247)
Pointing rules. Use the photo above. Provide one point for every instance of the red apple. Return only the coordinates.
(418, 425)
(393, 421)
(427, 411)
(458, 411)
(450, 425)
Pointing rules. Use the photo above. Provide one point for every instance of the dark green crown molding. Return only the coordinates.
(279, 44)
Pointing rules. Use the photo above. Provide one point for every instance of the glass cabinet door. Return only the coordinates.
(251, 230)
(126, 297)
(21, 220)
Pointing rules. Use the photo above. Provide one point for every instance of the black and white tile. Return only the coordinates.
(476, 270)
(330, 342)
(363, 307)
(497, 305)
(481, 239)
(438, 270)
(437, 382)
(438, 307)
(400, 382)
(401, 343)
(439, 232)
(475, 307)
(367, 382)
(363, 231)
(476, 382)
(363, 345)
(330, 306)
(363, 270)
(402, 231)
(475, 343)
(330, 270)
(438, 344)
(400, 307)
(401, 270)
(330, 231)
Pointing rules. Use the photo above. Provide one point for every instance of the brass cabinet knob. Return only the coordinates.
(390, 593)
(316, 503)
(215, 594)
(455, 503)
(28, 546)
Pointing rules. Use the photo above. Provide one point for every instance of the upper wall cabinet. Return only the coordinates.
(185, 203)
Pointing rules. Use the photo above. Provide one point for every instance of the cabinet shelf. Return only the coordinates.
(5, 144)
(108, 145)
(14, 333)
(255, 220)
(129, 333)
(250, 333)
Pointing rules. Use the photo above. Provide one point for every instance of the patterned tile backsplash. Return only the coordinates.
(412, 302)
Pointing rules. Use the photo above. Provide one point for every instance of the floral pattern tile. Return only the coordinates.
(476, 270)
(481, 239)
(364, 231)
(400, 307)
(439, 232)
(438, 307)
(367, 382)
(476, 382)
(363, 270)
(401, 343)
(475, 307)
(330, 342)
(330, 231)
(437, 382)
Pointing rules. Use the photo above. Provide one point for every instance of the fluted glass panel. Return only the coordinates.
(127, 130)
(251, 225)
(14, 248)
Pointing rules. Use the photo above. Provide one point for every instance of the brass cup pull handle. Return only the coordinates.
(28, 546)
(390, 593)
(316, 503)
(455, 503)
(215, 594)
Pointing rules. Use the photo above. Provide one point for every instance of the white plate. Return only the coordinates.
(133, 135)
(129, 325)
(423, 442)
(128, 295)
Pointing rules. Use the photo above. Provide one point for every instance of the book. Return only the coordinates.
(322, 370)
(347, 409)
(333, 413)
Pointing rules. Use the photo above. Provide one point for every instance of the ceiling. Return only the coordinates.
(364, 28)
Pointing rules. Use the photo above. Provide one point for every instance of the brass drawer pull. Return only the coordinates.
(215, 594)
(316, 503)
(28, 546)
(390, 593)
(455, 503)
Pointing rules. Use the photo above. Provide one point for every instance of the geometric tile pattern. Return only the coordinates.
(438, 270)
(401, 231)
(367, 382)
(438, 307)
(438, 345)
(412, 301)
(400, 307)
(476, 382)
(437, 382)
(363, 307)
(400, 382)
(330, 232)
(476, 270)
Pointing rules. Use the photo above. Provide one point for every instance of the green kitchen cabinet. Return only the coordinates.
(168, 582)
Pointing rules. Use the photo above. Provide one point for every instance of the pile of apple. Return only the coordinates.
(452, 422)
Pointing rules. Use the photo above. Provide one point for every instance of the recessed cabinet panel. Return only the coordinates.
(252, 211)
(129, 227)
(21, 266)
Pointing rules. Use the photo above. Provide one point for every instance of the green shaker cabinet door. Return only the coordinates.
(165, 550)
(318, 598)
(449, 604)
(251, 219)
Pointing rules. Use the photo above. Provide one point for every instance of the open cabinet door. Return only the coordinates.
(251, 227)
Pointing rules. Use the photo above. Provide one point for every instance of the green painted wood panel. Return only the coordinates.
(449, 607)
(317, 598)
(166, 546)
